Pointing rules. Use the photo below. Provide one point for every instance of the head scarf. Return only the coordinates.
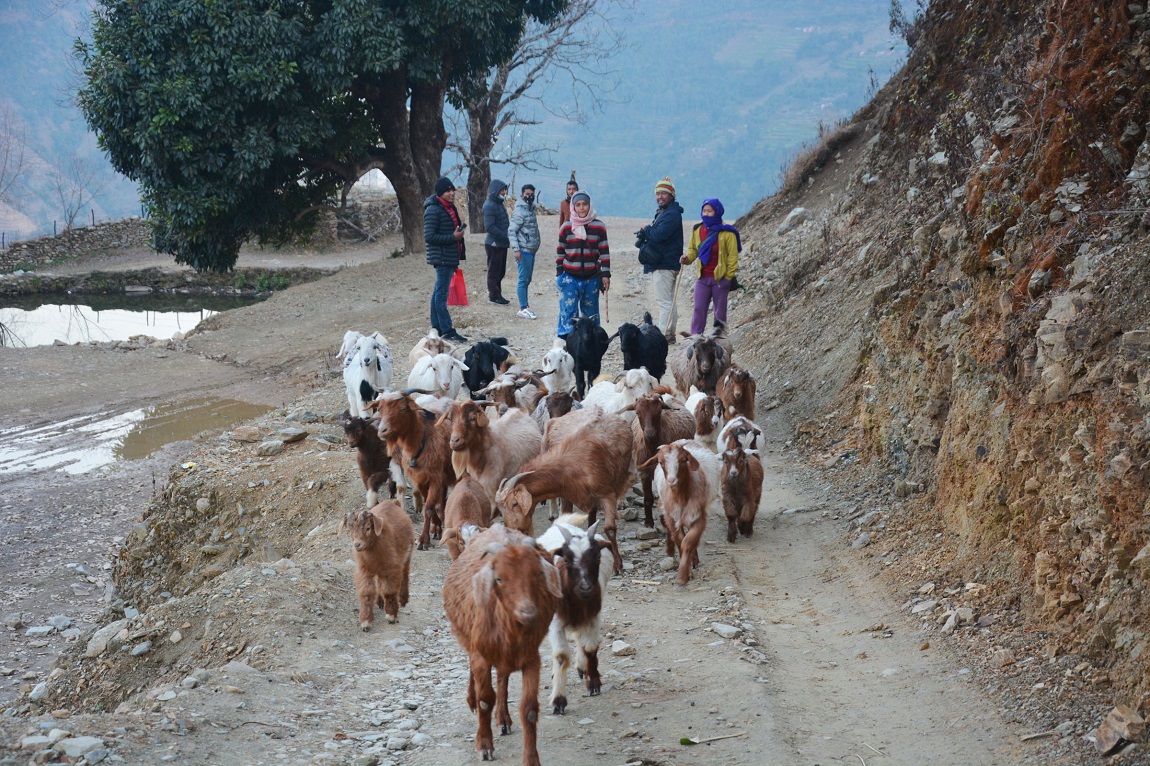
(715, 225)
(579, 225)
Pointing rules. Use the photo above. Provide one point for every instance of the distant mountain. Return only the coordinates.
(719, 95)
(39, 80)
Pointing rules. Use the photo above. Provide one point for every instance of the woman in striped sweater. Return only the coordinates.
(582, 263)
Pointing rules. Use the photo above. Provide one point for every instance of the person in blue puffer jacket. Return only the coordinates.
(443, 235)
(495, 222)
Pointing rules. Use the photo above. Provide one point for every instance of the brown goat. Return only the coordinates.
(373, 458)
(688, 488)
(742, 489)
(491, 448)
(590, 467)
(468, 503)
(736, 390)
(500, 596)
(702, 360)
(656, 423)
(426, 455)
(381, 539)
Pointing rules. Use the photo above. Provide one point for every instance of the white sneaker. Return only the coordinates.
(526, 313)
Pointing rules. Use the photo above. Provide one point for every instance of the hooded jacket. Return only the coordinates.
(439, 235)
(523, 231)
(495, 216)
(665, 238)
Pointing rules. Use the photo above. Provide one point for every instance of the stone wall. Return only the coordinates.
(129, 233)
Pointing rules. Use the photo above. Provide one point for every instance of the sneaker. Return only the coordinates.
(500, 301)
(453, 336)
(526, 313)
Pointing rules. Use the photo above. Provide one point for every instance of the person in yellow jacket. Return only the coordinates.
(716, 246)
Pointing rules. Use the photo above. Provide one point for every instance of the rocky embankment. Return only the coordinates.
(965, 311)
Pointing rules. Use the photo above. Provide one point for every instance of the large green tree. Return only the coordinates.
(242, 118)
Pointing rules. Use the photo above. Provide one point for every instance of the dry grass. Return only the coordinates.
(812, 158)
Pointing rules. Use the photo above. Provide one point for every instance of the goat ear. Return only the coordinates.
(445, 416)
(342, 526)
(376, 525)
(692, 462)
(482, 584)
(628, 408)
(551, 576)
(481, 419)
(461, 365)
(372, 406)
(651, 461)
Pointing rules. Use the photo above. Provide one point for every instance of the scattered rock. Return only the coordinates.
(861, 541)
(794, 219)
(622, 649)
(74, 747)
(141, 648)
(726, 631)
(60, 622)
(270, 447)
(35, 743)
(247, 434)
(1121, 724)
(291, 435)
(102, 637)
(647, 533)
(667, 564)
(38, 692)
(14, 621)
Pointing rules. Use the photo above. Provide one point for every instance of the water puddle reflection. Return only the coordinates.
(83, 444)
(29, 322)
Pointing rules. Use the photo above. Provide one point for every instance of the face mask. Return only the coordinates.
(529, 199)
(502, 197)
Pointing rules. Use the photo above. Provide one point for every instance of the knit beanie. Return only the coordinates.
(665, 186)
(443, 186)
(580, 195)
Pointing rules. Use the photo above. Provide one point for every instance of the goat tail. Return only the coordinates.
(647, 318)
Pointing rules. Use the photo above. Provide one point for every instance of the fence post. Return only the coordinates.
(53, 228)
(93, 216)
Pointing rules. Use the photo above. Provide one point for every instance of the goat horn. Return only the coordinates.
(567, 536)
(591, 529)
(410, 391)
(510, 483)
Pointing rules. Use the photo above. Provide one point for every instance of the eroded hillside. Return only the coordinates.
(965, 320)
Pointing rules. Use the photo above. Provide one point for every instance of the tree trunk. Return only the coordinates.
(413, 145)
(482, 119)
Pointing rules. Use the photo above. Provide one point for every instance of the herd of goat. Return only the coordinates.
(560, 433)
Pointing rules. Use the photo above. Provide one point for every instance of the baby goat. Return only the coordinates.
(382, 540)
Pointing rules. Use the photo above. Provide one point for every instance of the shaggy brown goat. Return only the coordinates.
(500, 596)
(468, 503)
(426, 455)
(381, 539)
(736, 390)
(373, 458)
(656, 423)
(742, 490)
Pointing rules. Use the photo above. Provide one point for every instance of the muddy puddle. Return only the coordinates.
(87, 443)
(40, 321)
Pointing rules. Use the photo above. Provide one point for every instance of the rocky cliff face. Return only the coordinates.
(967, 311)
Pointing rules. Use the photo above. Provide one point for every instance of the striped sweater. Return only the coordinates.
(583, 258)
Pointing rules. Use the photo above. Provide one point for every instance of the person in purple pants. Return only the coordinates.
(716, 246)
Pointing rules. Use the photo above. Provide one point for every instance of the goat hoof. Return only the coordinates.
(487, 755)
(392, 619)
(505, 729)
(365, 626)
(579, 671)
(559, 706)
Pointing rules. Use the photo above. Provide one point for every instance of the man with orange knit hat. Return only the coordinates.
(661, 246)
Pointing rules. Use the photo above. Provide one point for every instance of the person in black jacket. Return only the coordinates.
(443, 234)
(661, 252)
(495, 222)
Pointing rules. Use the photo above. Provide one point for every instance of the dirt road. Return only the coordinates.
(825, 667)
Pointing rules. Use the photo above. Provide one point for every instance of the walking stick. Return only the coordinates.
(674, 301)
(606, 307)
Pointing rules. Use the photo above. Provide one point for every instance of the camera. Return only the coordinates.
(640, 237)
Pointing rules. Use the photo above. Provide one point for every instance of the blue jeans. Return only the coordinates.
(576, 294)
(526, 269)
(440, 319)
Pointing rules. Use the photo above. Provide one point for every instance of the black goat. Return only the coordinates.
(484, 361)
(643, 346)
(587, 344)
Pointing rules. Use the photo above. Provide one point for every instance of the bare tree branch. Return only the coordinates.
(13, 162)
(576, 48)
(75, 185)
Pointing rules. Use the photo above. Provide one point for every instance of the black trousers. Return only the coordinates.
(496, 268)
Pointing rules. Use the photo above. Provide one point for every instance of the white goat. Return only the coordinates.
(441, 374)
(559, 368)
(366, 370)
(708, 413)
(625, 390)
